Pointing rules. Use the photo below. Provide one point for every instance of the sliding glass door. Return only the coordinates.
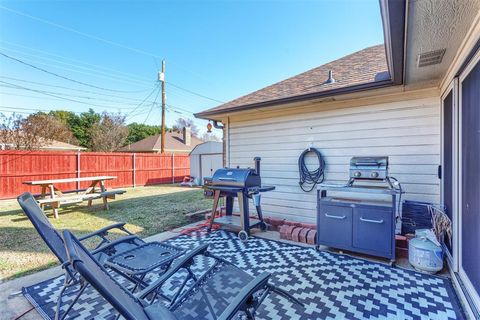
(449, 126)
(469, 178)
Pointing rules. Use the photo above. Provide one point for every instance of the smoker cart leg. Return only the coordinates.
(244, 212)
(229, 206)
(257, 203)
(216, 198)
(263, 225)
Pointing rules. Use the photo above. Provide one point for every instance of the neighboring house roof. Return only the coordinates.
(48, 145)
(58, 145)
(173, 143)
(362, 67)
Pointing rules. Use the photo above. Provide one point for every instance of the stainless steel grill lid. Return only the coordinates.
(369, 168)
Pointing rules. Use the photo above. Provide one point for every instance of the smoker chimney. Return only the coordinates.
(257, 165)
(187, 135)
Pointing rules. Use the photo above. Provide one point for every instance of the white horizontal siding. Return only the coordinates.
(408, 132)
(195, 165)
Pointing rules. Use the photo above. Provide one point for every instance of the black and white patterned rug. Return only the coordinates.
(331, 286)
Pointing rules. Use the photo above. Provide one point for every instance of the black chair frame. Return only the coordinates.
(136, 306)
(55, 242)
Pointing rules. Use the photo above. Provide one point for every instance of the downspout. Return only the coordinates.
(404, 76)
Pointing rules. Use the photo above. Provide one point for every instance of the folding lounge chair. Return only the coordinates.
(54, 241)
(222, 292)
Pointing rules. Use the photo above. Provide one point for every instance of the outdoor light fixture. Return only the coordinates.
(209, 127)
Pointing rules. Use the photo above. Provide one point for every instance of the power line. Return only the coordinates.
(130, 75)
(108, 77)
(153, 105)
(56, 99)
(143, 101)
(34, 109)
(193, 92)
(68, 95)
(113, 43)
(68, 88)
(20, 112)
(139, 112)
(77, 68)
(175, 107)
(60, 76)
(176, 111)
(110, 42)
(63, 98)
(53, 94)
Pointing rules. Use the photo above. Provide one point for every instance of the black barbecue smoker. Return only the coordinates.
(243, 184)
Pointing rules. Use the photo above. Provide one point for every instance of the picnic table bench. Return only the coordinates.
(52, 196)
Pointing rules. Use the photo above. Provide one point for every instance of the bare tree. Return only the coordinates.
(210, 137)
(32, 132)
(186, 122)
(51, 128)
(109, 134)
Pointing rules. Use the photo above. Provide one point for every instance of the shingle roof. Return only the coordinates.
(364, 66)
(173, 143)
(52, 145)
(59, 145)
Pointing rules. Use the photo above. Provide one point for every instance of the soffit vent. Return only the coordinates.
(430, 58)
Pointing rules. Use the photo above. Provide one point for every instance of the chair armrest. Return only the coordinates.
(104, 231)
(245, 294)
(114, 243)
(183, 262)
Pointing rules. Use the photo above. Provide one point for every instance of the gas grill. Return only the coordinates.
(241, 183)
(369, 168)
(366, 219)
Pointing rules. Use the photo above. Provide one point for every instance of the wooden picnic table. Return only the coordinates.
(51, 195)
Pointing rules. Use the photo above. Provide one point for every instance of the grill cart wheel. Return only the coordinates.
(243, 235)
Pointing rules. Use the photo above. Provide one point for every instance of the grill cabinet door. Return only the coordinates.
(335, 225)
(372, 230)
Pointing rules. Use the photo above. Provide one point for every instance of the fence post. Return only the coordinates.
(78, 169)
(134, 171)
(173, 168)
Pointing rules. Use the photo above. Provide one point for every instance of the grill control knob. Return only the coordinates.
(357, 174)
(374, 174)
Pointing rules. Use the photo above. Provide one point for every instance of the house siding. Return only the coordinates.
(406, 131)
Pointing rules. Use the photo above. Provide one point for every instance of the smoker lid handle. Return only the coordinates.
(377, 163)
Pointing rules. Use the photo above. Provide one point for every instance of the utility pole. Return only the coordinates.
(162, 79)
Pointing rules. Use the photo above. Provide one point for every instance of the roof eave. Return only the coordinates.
(393, 14)
(306, 97)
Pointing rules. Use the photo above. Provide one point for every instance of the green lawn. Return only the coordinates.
(146, 210)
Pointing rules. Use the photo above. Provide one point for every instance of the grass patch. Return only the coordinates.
(146, 210)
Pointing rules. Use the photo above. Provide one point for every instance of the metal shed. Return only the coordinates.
(205, 158)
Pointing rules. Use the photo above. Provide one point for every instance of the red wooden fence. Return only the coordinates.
(131, 169)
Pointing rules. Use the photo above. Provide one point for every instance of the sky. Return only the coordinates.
(106, 54)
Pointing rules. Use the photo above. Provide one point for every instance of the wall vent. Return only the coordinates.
(430, 58)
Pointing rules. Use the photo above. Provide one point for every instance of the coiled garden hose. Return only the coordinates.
(309, 179)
